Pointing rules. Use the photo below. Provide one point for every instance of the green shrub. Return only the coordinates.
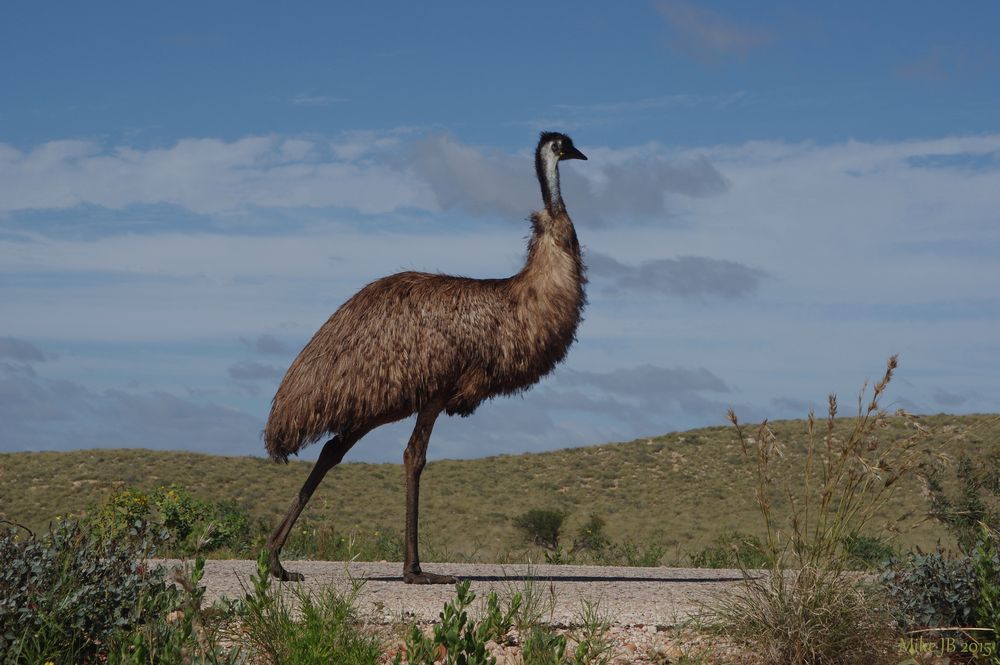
(324, 628)
(386, 544)
(180, 511)
(542, 646)
(632, 554)
(731, 550)
(323, 544)
(328, 544)
(559, 557)
(938, 591)
(592, 644)
(497, 621)
(67, 596)
(193, 525)
(975, 502)
(932, 590)
(462, 640)
(200, 526)
(541, 527)
(191, 637)
(230, 527)
(986, 560)
(119, 513)
(866, 552)
(590, 536)
(457, 639)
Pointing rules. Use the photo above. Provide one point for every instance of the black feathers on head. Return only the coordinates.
(545, 137)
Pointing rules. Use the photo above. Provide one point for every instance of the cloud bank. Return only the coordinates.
(369, 173)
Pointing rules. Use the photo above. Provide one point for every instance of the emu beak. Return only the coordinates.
(573, 153)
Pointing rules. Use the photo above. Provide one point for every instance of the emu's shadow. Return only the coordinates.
(574, 578)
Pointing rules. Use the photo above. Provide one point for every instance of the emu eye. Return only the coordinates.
(556, 148)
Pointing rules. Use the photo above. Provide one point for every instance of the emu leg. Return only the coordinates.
(414, 460)
(333, 451)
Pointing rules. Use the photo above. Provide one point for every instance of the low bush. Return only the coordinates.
(324, 628)
(632, 554)
(866, 552)
(460, 639)
(938, 590)
(188, 635)
(323, 543)
(68, 595)
(973, 503)
(559, 557)
(590, 537)
(592, 644)
(193, 525)
(541, 527)
(542, 646)
(328, 544)
(731, 550)
(986, 557)
(932, 590)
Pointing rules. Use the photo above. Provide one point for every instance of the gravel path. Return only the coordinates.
(653, 597)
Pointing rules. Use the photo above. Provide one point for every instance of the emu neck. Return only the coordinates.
(554, 263)
(547, 169)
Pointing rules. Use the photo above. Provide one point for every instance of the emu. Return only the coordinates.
(426, 343)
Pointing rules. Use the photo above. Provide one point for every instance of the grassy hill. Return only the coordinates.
(679, 490)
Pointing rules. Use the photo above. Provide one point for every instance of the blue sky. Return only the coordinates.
(777, 198)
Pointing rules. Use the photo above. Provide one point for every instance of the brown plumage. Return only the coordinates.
(425, 343)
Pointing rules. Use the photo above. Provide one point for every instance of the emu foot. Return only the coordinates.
(278, 571)
(418, 577)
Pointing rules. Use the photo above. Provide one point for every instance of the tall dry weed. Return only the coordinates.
(808, 607)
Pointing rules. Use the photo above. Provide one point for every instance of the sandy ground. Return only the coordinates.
(660, 597)
(644, 606)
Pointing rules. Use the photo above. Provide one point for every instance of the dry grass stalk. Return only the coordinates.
(809, 608)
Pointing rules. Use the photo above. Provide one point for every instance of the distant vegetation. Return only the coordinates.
(681, 494)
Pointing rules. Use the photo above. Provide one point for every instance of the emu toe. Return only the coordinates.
(286, 576)
(428, 578)
(278, 571)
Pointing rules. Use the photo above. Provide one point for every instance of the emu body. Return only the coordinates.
(426, 343)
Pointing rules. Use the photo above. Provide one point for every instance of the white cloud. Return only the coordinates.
(202, 175)
(370, 172)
